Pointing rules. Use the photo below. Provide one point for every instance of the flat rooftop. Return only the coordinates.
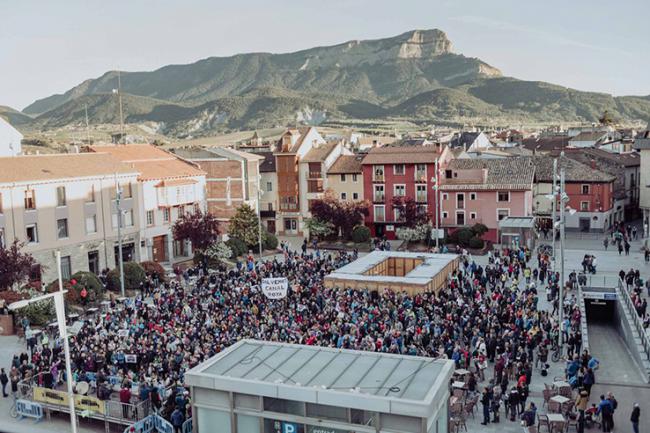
(429, 266)
(337, 377)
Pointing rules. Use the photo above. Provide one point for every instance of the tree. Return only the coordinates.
(319, 228)
(410, 214)
(343, 215)
(202, 229)
(218, 252)
(15, 266)
(606, 118)
(414, 234)
(244, 225)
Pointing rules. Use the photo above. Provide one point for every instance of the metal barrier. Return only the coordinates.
(583, 320)
(638, 324)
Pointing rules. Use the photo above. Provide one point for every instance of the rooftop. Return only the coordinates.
(347, 164)
(401, 155)
(319, 152)
(338, 377)
(510, 173)
(268, 164)
(589, 136)
(152, 162)
(39, 168)
(546, 144)
(574, 170)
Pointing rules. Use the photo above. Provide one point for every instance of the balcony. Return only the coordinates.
(267, 214)
(315, 186)
(289, 204)
(421, 197)
(380, 217)
(378, 177)
(379, 198)
(315, 175)
(420, 177)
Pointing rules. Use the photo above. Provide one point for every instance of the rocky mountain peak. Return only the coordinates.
(424, 43)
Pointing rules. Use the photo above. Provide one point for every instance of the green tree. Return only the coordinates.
(244, 225)
(319, 228)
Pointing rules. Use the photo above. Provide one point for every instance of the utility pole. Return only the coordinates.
(87, 125)
(119, 98)
(554, 213)
(562, 224)
(118, 198)
(436, 198)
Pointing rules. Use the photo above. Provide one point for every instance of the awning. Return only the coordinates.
(517, 223)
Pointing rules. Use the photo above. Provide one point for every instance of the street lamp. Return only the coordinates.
(59, 307)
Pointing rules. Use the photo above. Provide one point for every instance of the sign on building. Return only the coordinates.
(275, 288)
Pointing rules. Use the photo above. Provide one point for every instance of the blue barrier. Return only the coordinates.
(150, 424)
(187, 426)
(28, 409)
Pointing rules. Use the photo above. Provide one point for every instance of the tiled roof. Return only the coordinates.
(589, 136)
(514, 173)
(628, 159)
(268, 164)
(347, 164)
(464, 139)
(546, 144)
(642, 141)
(574, 170)
(39, 168)
(401, 155)
(151, 161)
(319, 152)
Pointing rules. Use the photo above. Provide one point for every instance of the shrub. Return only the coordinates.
(360, 234)
(39, 313)
(134, 276)
(271, 241)
(217, 253)
(464, 235)
(237, 246)
(479, 229)
(476, 243)
(11, 296)
(77, 283)
(154, 269)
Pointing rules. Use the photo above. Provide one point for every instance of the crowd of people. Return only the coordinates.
(485, 314)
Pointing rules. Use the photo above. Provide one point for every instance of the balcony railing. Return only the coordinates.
(315, 186)
(420, 177)
(379, 198)
(315, 175)
(421, 198)
(380, 217)
(378, 177)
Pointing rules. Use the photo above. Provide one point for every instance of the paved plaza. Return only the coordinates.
(617, 374)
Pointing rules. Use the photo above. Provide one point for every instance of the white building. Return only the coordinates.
(170, 187)
(10, 139)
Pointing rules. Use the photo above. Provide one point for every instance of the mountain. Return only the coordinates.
(412, 76)
(15, 117)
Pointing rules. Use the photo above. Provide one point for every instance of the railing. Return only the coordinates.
(315, 175)
(378, 198)
(420, 177)
(583, 320)
(421, 198)
(638, 324)
(378, 177)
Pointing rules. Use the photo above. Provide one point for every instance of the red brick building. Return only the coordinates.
(399, 171)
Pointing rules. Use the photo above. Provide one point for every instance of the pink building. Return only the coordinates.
(486, 191)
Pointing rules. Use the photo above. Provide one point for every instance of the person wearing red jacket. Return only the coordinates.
(125, 399)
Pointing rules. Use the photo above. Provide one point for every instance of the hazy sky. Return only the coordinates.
(49, 46)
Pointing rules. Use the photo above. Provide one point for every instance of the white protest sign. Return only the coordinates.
(130, 359)
(275, 288)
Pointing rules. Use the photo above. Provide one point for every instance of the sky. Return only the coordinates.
(47, 46)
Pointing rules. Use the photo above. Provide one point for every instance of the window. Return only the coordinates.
(585, 189)
(128, 218)
(502, 213)
(445, 214)
(269, 186)
(91, 224)
(460, 218)
(166, 215)
(460, 200)
(30, 199)
(66, 267)
(421, 193)
(62, 228)
(270, 207)
(447, 174)
(399, 190)
(503, 196)
(472, 196)
(355, 178)
(90, 197)
(584, 206)
(2, 238)
(380, 213)
(379, 193)
(472, 215)
(126, 190)
(344, 196)
(31, 230)
(445, 196)
(398, 169)
(378, 173)
(355, 196)
(60, 196)
(150, 217)
(421, 172)
(397, 213)
(343, 179)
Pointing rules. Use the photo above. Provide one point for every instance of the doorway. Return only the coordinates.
(158, 249)
(127, 253)
(585, 224)
(291, 226)
(270, 226)
(93, 262)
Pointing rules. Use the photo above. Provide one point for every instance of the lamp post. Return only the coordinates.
(562, 224)
(59, 307)
(436, 198)
(554, 212)
(259, 211)
(118, 198)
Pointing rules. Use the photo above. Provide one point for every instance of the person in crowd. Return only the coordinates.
(634, 417)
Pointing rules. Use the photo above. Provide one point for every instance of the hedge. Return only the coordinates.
(134, 277)
(360, 234)
(270, 242)
(78, 282)
(237, 246)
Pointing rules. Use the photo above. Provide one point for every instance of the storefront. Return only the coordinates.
(266, 387)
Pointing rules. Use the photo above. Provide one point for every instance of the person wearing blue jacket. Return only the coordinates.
(606, 411)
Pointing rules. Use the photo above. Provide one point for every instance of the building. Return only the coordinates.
(302, 160)
(66, 202)
(269, 193)
(232, 178)
(625, 167)
(268, 387)
(546, 144)
(590, 138)
(398, 271)
(10, 139)
(590, 191)
(345, 178)
(642, 144)
(170, 186)
(485, 191)
(471, 141)
(399, 172)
